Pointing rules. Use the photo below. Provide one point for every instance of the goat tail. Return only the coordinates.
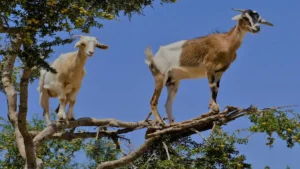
(149, 55)
(150, 62)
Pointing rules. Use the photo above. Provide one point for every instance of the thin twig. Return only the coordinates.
(147, 118)
(199, 134)
(212, 129)
(167, 151)
(97, 135)
(149, 160)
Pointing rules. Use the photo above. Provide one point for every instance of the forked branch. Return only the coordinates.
(154, 134)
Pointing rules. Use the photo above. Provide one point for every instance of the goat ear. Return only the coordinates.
(102, 46)
(262, 21)
(237, 17)
(77, 44)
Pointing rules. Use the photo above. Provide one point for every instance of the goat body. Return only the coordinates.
(208, 56)
(65, 84)
(71, 72)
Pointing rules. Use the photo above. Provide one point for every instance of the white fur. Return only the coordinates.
(237, 17)
(65, 84)
(168, 57)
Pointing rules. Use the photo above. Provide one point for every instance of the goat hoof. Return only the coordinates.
(71, 119)
(61, 116)
(215, 108)
(160, 123)
(172, 122)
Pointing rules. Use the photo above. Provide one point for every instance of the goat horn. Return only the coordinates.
(239, 10)
(263, 21)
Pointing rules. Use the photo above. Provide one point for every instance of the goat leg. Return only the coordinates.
(172, 91)
(159, 84)
(214, 82)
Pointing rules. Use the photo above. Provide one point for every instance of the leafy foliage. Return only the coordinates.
(99, 151)
(219, 151)
(286, 124)
(40, 24)
(57, 154)
(216, 151)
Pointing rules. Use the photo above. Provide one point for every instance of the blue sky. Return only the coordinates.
(119, 84)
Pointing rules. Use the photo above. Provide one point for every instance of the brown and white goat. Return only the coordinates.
(65, 84)
(209, 56)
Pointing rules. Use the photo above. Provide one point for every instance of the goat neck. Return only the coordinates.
(80, 59)
(236, 36)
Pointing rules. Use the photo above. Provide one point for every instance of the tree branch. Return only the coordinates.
(57, 126)
(167, 150)
(22, 122)
(174, 132)
(11, 94)
(10, 30)
(153, 135)
(68, 136)
(201, 123)
(4, 29)
(129, 158)
(84, 135)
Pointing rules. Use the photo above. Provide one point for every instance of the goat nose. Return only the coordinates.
(257, 28)
(91, 52)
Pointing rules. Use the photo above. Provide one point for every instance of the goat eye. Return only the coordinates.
(83, 44)
(247, 20)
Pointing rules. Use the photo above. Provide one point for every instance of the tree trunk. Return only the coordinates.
(27, 149)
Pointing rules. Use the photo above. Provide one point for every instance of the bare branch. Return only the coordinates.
(68, 136)
(22, 123)
(11, 94)
(200, 134)
(174, 132)
(6, 30)
(149, 115)
(56, 126)
(201, 123)
(10, 30)
(149, 160)
(153, 135)
(167, 151)
(129, 158)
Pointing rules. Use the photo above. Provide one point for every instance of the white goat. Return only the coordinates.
(209, 56)
(66, 83)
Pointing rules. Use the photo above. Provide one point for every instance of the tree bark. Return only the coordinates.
(22, 122)
(131, 157)
(11, 94)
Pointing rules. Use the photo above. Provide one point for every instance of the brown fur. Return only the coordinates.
(216, 52)
(209, 56)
